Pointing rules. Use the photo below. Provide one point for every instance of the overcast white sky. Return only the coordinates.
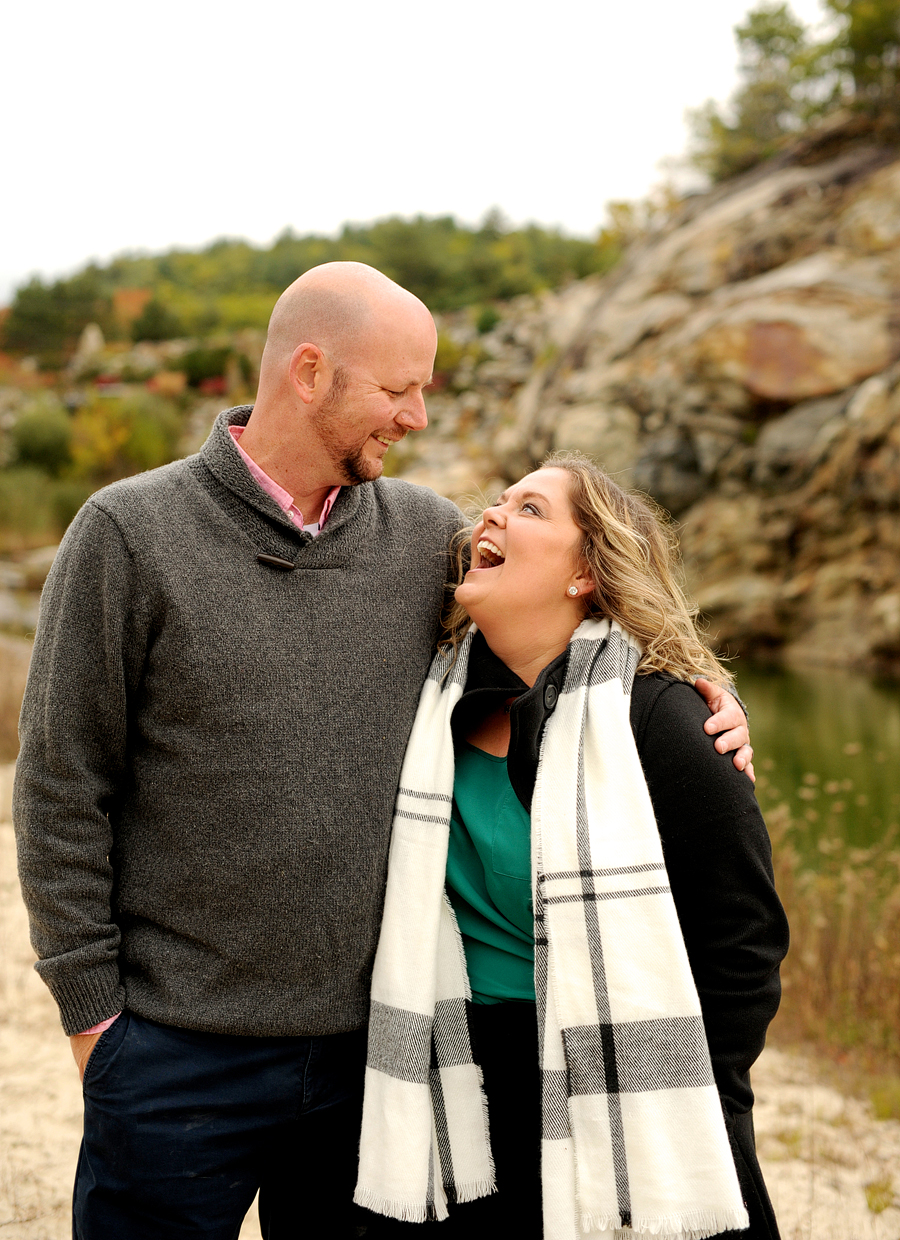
(130, 127)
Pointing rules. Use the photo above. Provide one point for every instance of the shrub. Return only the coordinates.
(156, 322)
(66, 496)
(487, 320)
(113, 437)
(200, 364)
(35, 510)
(449, 355)
(42, 436)
(26, 516)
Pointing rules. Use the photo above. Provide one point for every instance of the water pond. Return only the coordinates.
(827, 743)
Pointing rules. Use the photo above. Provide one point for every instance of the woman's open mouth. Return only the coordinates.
(489, 554)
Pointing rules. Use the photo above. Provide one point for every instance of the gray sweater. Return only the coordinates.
(211, 745)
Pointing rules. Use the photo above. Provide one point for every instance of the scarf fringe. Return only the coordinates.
(697, 1225)
(488, 1185)
(405, 1211)
(477, 1188)
(418, 1211)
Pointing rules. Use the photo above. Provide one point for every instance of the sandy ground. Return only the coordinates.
(833, 1171)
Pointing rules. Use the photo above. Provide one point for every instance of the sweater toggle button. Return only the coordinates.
(276, 561)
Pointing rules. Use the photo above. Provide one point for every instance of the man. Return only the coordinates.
(225, 673)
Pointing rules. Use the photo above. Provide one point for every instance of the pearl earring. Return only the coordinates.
(573, 590)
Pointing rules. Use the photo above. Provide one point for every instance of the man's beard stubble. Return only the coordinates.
(352, 464)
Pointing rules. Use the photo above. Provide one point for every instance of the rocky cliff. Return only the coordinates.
(740, 366)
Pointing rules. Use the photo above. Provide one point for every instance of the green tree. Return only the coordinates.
(782, 74)
(788, 79)
(156, 322)
(47, 319)
(868, 48)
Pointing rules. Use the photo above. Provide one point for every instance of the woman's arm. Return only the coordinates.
(719, 860)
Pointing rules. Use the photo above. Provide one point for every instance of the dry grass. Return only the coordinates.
(842, 976)
(15, 653)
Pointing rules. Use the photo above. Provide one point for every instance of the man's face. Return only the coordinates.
(375, 399)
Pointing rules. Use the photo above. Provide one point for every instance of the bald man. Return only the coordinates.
(226, 669)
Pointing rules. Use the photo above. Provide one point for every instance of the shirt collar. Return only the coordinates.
(282, 498)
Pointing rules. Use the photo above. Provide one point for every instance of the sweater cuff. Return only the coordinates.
(86, 999)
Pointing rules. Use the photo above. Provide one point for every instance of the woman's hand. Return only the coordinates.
(730, 720)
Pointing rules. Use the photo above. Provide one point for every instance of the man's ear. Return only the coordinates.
(306, 371)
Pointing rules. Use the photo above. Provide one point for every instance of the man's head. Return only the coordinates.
(347, 357)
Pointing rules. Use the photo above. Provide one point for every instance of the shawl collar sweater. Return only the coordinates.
(211, 745)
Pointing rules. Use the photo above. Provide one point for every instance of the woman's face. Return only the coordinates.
(525, 552)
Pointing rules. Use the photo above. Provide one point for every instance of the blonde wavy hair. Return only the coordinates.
(631, 551)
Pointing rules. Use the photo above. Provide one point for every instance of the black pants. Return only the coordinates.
(505, 1037)
(181, 1128)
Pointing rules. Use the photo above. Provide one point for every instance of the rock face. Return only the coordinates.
(740, 366)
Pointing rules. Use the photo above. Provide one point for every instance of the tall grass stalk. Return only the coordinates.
(842, 976)
(15, 654)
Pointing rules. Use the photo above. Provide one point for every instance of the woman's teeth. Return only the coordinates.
(489, 552)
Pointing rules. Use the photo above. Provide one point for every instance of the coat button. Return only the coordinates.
(550, 696)
(276, 561)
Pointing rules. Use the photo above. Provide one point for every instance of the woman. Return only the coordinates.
(614, 919)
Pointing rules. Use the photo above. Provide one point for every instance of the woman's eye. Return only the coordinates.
(529, 507)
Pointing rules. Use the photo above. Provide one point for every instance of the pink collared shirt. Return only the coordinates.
(279, 494)
(286, 503)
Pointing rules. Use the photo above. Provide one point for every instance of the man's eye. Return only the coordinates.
(390, 393)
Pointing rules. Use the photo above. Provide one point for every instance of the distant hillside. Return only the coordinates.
(231, 284)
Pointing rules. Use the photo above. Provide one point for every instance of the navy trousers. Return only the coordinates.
(181, 1128)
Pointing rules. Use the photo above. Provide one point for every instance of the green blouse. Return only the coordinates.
(489, 878)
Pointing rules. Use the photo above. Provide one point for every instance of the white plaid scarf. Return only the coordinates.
(633, 1135)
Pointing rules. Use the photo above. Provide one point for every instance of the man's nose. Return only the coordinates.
(413, 414)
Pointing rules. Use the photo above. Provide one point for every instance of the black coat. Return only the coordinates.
(719, 861)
